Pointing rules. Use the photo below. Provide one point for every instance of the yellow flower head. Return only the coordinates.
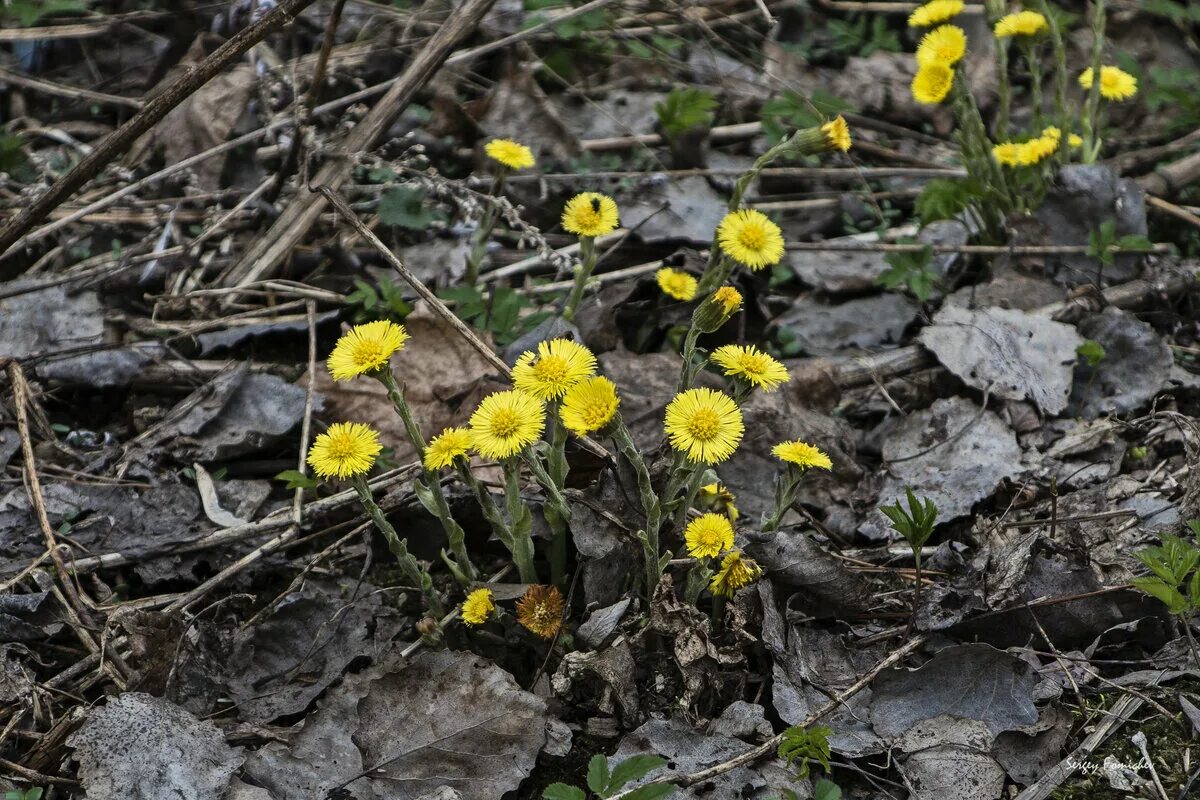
(935, 13)
(708, 536)
(676, 283)
(706, 425)
(506, 423)
(478, 607)
(837, 133)
(346, 450)
(1024, 154)
(945, 45)
(450, 444)
(750, 238)
(716, 309)
(513, 155)
(1115, 83)
(590, 214)
(365, 348)
(1022, 23)
(717, 497)
(748, 363)
(1074, 140)
(589, 405)
(541, 610)
(558, 365)
(736, 571)
(802, 455)
(932, 83)
(729, 298)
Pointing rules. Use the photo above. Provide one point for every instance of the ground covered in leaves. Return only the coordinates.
(186, 612)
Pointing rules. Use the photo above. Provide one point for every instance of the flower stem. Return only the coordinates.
(995, 9)
(1060, 63)
(786, 484)
(651, 504)
(558, 515)
(520, 522)
(689, 369)
(418, 577)
(397, 397)
(522, 557)
(587, 262)
(1033, 59)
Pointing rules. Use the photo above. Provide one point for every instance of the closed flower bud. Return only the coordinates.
(716, 309)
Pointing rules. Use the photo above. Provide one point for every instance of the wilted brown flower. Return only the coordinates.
(541, 610)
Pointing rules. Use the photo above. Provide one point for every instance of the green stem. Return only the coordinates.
(1060, 65)
(1090, 121)
(558, 516)
(587, 262)
(397, 397)
(786, 484)
(688, 370)
(651, 505)
(520, 522)
(689, 496)
(1035, 82)
(399, 548)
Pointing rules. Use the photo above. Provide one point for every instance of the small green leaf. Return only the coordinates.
(825, 789)
(597, 774)
(1159, 589)
(685, 108)
(404, 207)
(1092, 352)
(632, 769)
(561, 791)
(653, 791)
(296, 479)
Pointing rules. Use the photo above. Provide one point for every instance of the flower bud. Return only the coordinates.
(716, 309)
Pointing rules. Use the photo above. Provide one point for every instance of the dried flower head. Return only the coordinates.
(944, 45)
(1115, 83)
(558, 365)
(541, 610)
(513, 155)
(676, 283)
(1022, 23)
(716, 309)
(446, 447)
(505, 423)
(589, 405)
(704, 424)
(346, 450)
(801, 454)
(935, 13)
(718, 497)
(478, 607)
(749, 237)
(736, 571)
(590, 214)
(365, 348)
(932, 83)
(748, 363)
(837, 134)
(708, 536)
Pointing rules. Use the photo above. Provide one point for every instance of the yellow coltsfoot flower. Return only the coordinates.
(1115, 83)
(932, 83)
(590, 214)
(478, 607)
(935, 13)
(837, 134)
(736, 571)
(448, 446)
(513, 155)
(718, 497)
(750, 238)
(708, 536)
(944, 45)
(748, 363)
(506, 423)
(346, 450)
(557, 365)
(1022, 23)
(589, 405)
(716, 309)
(704, 424)
(1074, 140)
(676, 283)
(540, 610)
(802, 455)
(365, 348)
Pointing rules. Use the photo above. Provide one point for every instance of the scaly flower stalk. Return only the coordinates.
(1033, 59)
(520, 522)
(418, 577)
(583, 272)
(798, 458)
(1060, 64)
(995, 10)
(522, 555)
(428, 487)
(651, 505)
(557, 512)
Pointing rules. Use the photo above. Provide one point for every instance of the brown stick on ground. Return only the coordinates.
(120, 139)
(269, 250)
